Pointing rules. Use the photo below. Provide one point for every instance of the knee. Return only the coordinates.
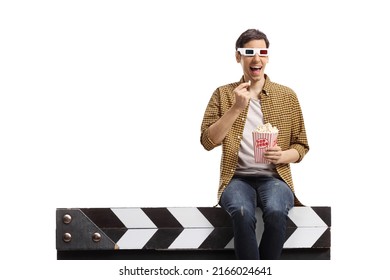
(243, 214)
(278, 206)
(275, 216)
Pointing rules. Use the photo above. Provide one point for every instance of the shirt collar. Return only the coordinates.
(267, 85)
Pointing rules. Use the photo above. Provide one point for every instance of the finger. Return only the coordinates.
(243, 85)
(247, 84)
(272, 154)
(273, 149)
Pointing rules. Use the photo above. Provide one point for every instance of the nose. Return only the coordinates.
(256, 57)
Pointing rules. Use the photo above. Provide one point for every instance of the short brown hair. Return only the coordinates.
(249, 35)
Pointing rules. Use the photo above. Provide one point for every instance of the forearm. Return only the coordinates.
(219, 129)
(289, 156)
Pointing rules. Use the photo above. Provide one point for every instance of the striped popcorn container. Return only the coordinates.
(262, 141)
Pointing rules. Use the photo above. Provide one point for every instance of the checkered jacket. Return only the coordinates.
(280, 107)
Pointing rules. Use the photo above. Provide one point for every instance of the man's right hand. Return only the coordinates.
(242, 96)
(219, 129)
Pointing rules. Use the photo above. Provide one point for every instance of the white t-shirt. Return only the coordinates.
(246, 161)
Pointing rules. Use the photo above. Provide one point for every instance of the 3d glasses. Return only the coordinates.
(253, 51)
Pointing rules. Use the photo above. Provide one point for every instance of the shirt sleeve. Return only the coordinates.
(299, 140)
(211, 115)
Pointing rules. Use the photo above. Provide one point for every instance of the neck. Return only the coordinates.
(256, 87)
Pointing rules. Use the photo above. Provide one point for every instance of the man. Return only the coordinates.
(233, 112)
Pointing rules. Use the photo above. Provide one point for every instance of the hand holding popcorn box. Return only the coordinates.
(265, 136)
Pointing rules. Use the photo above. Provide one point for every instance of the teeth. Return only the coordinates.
(256, 67)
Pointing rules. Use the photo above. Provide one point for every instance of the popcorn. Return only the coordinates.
(265, 136)
(267, 128)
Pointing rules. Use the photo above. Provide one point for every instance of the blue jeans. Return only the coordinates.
(240, 199)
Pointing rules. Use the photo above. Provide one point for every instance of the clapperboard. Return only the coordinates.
(173, 228)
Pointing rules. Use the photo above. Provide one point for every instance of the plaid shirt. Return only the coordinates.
(280, 107)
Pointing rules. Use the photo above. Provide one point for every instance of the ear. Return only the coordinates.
(238, 57)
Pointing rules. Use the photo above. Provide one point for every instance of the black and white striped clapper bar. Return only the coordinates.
(178, 232)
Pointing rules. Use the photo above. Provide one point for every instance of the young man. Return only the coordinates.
(233, 112)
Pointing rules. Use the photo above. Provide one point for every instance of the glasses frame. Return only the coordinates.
(258, 51)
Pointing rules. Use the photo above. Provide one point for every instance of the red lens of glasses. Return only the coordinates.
(264, 52)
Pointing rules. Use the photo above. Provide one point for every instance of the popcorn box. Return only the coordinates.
(262, 141)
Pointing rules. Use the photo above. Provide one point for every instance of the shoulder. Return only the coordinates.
(279, 91)
(276, 88)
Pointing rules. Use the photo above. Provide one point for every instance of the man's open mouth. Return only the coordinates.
(255, 69)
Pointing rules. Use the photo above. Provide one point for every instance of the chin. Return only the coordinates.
(256, 79)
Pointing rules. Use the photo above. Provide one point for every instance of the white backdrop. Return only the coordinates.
(102, 101)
